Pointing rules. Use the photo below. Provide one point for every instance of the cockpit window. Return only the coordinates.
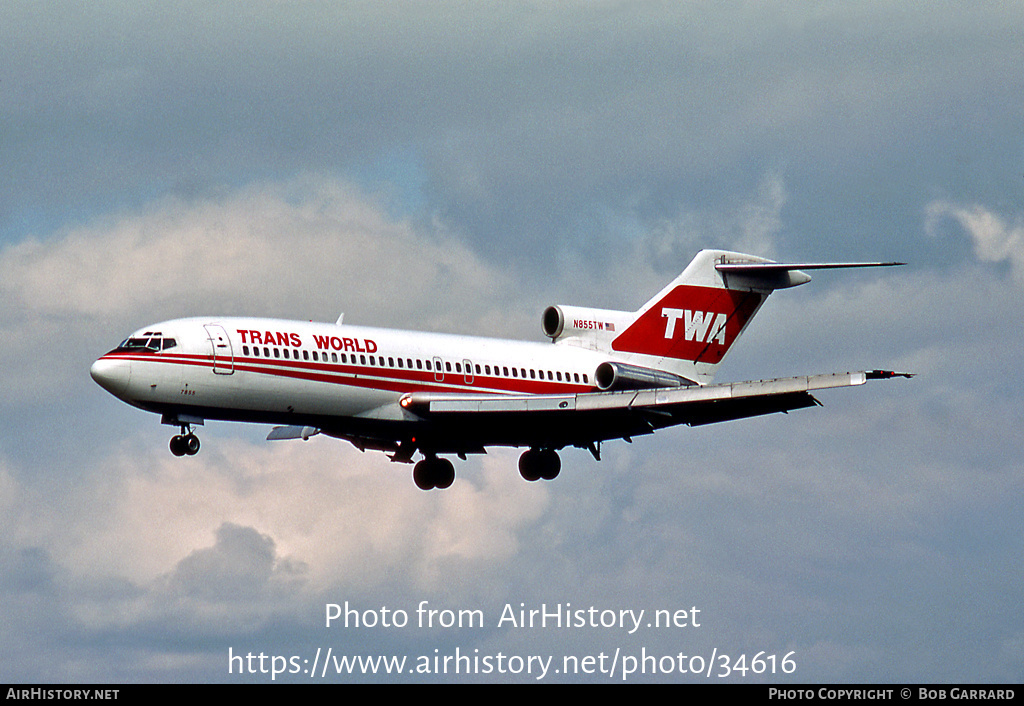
(148, 341)
(133, 344)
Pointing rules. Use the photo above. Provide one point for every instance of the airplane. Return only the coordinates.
(603, 375)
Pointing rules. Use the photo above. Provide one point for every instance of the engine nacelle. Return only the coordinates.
(553, 322)
(564, 322)
(620, 376)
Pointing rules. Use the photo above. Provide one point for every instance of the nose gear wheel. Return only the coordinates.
(186, 443)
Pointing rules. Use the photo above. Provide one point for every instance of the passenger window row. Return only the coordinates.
(418, 364)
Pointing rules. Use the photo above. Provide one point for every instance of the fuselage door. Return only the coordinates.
(468, 371)
(223, 353)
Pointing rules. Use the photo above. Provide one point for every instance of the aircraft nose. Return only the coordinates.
(111, 374)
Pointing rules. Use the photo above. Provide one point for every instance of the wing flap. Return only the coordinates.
(292, 432)
(723, 410)
(455, 403)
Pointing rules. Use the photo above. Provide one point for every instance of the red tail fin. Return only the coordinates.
(693, 323)
(689, 326)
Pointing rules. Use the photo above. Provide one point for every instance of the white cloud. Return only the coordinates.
(309, 248)
(272, 246)
(340, 518)
(995, 238)
(243, 536)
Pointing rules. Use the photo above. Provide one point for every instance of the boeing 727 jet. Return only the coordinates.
(603, 375)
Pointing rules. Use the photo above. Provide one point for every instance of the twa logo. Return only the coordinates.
(693, 323)
(700, 326)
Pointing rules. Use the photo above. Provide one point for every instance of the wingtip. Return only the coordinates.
(886, 374)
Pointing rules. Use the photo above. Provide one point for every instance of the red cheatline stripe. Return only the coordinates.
(361, 376)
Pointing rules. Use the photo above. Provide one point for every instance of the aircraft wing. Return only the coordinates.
(656, 408)
(467, 423)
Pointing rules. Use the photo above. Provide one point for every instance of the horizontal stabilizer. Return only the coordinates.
(781, 275)
(750, 267)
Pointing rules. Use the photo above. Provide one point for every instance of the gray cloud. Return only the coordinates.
(456, 167)
(239, 565)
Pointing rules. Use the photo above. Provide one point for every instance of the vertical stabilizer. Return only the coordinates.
(690, 325)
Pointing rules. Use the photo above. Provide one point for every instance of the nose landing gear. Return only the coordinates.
(185, 443)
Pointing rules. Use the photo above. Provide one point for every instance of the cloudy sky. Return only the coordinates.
(458, 166)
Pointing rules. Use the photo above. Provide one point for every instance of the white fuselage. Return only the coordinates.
(342, 378)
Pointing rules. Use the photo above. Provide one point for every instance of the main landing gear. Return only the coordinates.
(185, 443)
(433, 472)
(536, 464)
